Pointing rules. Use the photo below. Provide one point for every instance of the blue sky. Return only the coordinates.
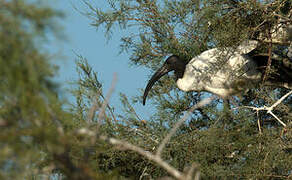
(101, 54)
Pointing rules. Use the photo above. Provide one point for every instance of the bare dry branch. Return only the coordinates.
(171, 170)
(151, 156)
(110, 110)
(191, 172)
(143, 134)
(181, 121)
(259, 123)
(92, 111)
(270, 109)
(156, 157)
(281, 99)
(105, 102)
(143, 173)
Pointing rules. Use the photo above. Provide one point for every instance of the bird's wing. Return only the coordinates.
(247, 46)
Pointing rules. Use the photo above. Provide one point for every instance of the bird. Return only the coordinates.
(223, 72)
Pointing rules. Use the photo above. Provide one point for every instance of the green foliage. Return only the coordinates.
(224, 141)
(185, 28)
(226, 144)
(38, 139)
(28, 99)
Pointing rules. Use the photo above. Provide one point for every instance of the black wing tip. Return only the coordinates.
(144, 102)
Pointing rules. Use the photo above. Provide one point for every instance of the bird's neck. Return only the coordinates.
(180, 69)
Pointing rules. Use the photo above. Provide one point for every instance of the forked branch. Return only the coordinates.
(271, 108)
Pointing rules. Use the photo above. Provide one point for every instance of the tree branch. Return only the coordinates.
(270, 109)
(181, 121)
(171, 170)
(105, 102)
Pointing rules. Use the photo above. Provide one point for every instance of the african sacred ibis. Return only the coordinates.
(220, 72)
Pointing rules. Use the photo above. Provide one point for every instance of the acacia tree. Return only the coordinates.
(226, 143)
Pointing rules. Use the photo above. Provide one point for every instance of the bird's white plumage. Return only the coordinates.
(221, 72)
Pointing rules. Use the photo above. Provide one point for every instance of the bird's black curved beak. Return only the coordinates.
(156, 76)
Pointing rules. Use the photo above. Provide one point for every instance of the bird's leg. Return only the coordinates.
(226, 111)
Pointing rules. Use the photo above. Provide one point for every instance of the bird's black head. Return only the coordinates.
(172, 63)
